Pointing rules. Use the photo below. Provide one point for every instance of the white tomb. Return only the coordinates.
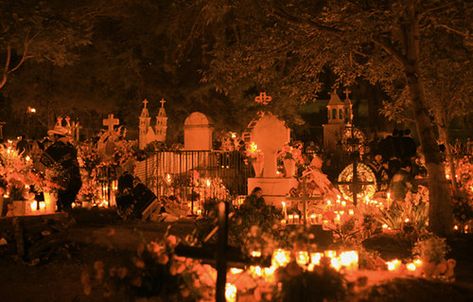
(197, 132)
(270, 134)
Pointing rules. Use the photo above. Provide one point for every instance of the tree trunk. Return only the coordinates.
(440, 211)
(444, 137)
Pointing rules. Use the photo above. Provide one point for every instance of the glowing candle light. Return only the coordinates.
(330, 254)
(393, 265)
(302, 258)
(230, 292)
(312, 219)
(351, 212)
(280, 258)
(296, 219)
(411, 267)
(344, 203)
(291, 219)
(255, 254)
(284, 210)
(235, 271)
(335, 263)
(418, 262)
(349, 259)
(315, 258)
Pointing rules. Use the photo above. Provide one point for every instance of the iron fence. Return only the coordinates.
(190, 174)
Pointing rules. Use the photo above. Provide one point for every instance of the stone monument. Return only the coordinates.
(270, 134)
(197, 132)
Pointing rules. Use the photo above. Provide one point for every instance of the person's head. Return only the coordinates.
(406, 165)
(257, 191)
(378, 158)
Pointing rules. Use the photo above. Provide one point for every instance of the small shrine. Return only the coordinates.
(148, 133)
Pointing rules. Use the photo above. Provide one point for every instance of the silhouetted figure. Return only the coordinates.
(61, 156)
(403, 182)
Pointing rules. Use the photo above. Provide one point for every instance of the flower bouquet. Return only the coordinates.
(256, 157)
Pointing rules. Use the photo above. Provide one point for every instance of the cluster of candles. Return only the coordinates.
(347, 260)
(465, 229)
(396, 265)
(340, 208)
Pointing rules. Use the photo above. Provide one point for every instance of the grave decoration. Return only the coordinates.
(22, 184)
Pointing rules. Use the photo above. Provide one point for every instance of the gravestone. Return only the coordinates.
(197, 132)
(270, 135)
(106, 143)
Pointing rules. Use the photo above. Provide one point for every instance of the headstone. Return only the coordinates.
(197, 132)
(270, 134)
(111, 122)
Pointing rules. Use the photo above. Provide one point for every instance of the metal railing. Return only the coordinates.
(185, 173)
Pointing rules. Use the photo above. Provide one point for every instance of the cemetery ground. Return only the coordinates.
(100, 235)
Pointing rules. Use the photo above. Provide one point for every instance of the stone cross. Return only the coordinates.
(111, 122)
(347, 93)
(145, 103)
(263, 98)
(162, 102)
(270, 134)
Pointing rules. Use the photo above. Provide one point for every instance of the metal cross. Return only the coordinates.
(263, 98)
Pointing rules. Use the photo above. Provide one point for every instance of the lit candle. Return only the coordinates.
(411, 267)
(284, 210)
(349, 259)
(324, 224)
(315, 258)
(312, 219)
(330, 254)
(291, 219)
(302, 258)
(230, 292)
(296, 219)
(280, 258)
(393, 265)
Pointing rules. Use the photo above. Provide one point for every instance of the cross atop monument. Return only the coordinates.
(162, 102)
(263, 98)
(111, 122)
(347, 93)
(145, 103)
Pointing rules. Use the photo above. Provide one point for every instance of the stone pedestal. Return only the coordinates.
(275, 189)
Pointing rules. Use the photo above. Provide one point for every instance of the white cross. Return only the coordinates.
(263, 98)
(111, 122)
(347, 93)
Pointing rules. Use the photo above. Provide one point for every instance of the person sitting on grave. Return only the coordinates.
(22, 145)
(125, 198)
(381, 173)
(318, 182)
(402, 182)
(61, 157)
(255, 199)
